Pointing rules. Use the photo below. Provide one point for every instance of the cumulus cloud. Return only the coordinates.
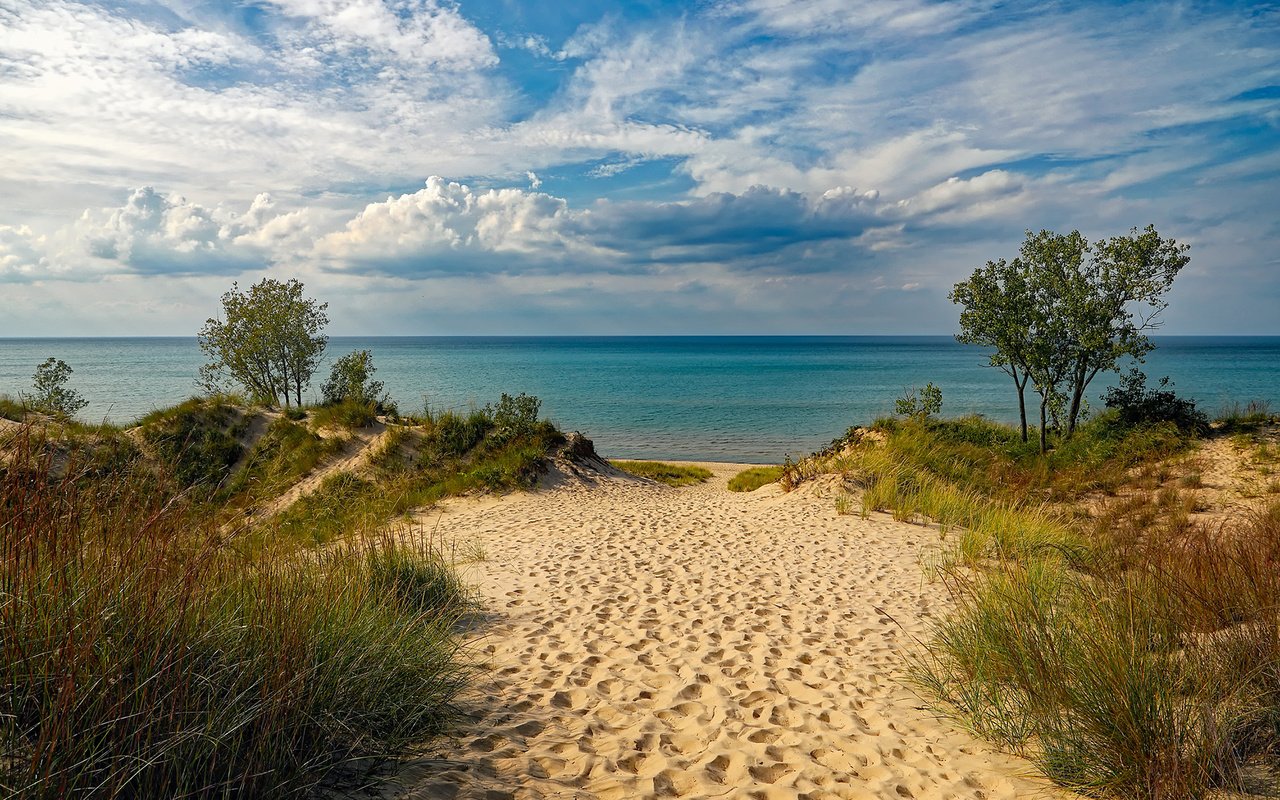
(159, 233)
(447, 226)
(22, 254)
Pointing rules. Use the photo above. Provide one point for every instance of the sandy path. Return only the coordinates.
(657, 642)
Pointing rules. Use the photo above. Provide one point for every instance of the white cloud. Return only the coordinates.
(165, 234)
(22, 254)
(447, 225)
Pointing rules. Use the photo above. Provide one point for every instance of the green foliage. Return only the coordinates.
(270, 342)
(350, 413)
(1135, 404)
(195, 441)
(916, 402)
(514, 416)
(1064, 311)
(284, 454)
(139, 657)
(751, 479)
(426, 585)
(49, 389)
(1135, 654)
(456, 454)
(351, 378)
(12, 409)
(670, 474)
(455, 435)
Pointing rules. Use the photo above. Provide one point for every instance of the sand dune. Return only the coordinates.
(658, 642)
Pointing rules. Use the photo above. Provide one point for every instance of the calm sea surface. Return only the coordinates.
(709, 398)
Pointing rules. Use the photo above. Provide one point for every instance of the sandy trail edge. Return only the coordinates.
(658, 642)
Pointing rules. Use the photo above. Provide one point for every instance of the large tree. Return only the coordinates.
(1063, 311)
(270, 341)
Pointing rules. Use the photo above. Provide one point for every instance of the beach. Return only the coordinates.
(649, 641)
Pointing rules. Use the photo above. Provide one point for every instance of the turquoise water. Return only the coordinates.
(710, 398)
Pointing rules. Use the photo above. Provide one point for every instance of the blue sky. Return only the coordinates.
(729, 166)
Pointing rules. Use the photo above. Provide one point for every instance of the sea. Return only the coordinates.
(755, 399)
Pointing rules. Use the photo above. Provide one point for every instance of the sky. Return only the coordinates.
(568, 167)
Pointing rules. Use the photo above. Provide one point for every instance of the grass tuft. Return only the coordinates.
(670, 474)
(751, 479)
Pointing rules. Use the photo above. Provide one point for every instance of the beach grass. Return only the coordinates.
(751, 479)
(670, 474)
(144, 656)
(1100, 629)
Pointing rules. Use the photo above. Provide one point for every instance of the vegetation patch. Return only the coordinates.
(447, 455)
(1129, 650)
(751, 479)
(670, 474)
(196, 441)
(287, 452)
(197, 672)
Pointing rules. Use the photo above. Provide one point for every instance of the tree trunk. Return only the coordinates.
(1077, 393)
(1022, 404)
(1044, 442)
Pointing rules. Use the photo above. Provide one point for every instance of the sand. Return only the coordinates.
(655, 642)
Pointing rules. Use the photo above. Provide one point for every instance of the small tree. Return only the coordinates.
(351, 378)
(270, 342)
(998, 311)
(920, 403)
(51, 393)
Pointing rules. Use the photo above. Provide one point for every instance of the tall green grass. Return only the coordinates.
(140, 656)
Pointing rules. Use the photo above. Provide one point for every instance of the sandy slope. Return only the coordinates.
(657, 642)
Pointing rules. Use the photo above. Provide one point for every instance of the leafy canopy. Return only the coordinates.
(270, 341)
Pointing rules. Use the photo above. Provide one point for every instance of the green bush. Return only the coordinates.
(456, 435)
(195, 442)
(514, 416)
(1135, 404)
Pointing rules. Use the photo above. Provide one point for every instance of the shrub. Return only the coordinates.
(1136, 404)
(351, 378)
(457, 435)
(919, 402)
(514, 416)
(50, 389)
(195, 442)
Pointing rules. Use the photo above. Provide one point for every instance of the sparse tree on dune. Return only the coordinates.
(270, 341)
